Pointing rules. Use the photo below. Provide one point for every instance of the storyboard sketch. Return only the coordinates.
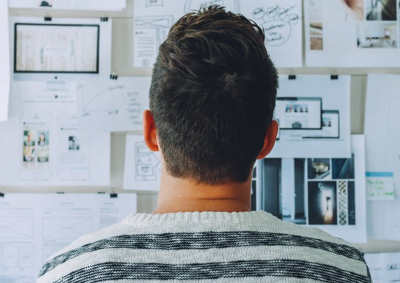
(368, 31)
(113, 105)
(313, 121)
(98, 5)
(328, 193)
(142, 166)
(382, 121)
(33, 227)
(41, 145)
(281, 21)
(5, 66)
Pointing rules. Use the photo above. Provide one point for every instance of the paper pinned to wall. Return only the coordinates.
(352, 33)
(384, 267)
(35, 226)
(112, 105)
(380, 186)
(382, 121)
(281, 20)
(41, 145)
(5, 67)
(324, 108)
(98, 5)
(142, 166)
(327, 193)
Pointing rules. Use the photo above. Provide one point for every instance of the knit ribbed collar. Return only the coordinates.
(195, 217)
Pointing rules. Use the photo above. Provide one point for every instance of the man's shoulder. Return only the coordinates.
(261, 240)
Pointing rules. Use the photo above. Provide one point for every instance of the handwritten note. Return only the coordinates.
(277, 22)
(380, 186)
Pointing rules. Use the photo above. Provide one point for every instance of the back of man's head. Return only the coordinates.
(212, 96)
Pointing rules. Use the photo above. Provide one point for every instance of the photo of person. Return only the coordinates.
(318, 168)
(43, 138)
(343, 168)
(322, 207)
(29, 138)
(73, 143)
(28, 154)
(381, 10)
(43, 150)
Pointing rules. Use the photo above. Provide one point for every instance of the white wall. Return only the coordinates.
(122, 62)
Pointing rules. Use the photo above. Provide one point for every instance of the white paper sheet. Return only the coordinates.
(281, 20)
(382, 121)
(5, 67)
(327, 193)
(352, 35)
(335, 95)
(40, 143)
(33, 227)
(98, 5)
(142, 166)
(113, 105)
(384, 267)
(39, 55)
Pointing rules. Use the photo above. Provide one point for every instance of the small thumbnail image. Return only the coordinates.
(380, 10)
(326, 122)
(316, 25)
(296, 108)
(43, 138)
(322, 206)
(318, 168)
(28, 154)
(377, 35)
(29, 138)
(73, 143)
(343, 168)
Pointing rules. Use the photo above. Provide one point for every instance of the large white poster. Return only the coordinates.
(41, 145)
(314, 117)
(4, 61)
(281, 21)
(352, 33)
(382, 123)
(34, 227)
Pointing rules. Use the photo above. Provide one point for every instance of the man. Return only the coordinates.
(211, 102)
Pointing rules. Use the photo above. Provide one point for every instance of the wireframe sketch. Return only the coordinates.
(56, 48)
(147, 164)
(66, 228)
(231, 5)
(150, 32)
(277, 22)
(16, 227)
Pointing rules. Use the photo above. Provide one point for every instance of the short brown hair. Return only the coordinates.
(212, 96)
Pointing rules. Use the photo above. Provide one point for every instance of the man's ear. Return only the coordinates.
(149, 131)
(269, 140)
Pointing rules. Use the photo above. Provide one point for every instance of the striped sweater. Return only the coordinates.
(206, 247)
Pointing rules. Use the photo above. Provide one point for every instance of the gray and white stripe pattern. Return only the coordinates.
(222, 251)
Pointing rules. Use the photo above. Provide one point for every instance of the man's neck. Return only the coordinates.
(185, 195)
